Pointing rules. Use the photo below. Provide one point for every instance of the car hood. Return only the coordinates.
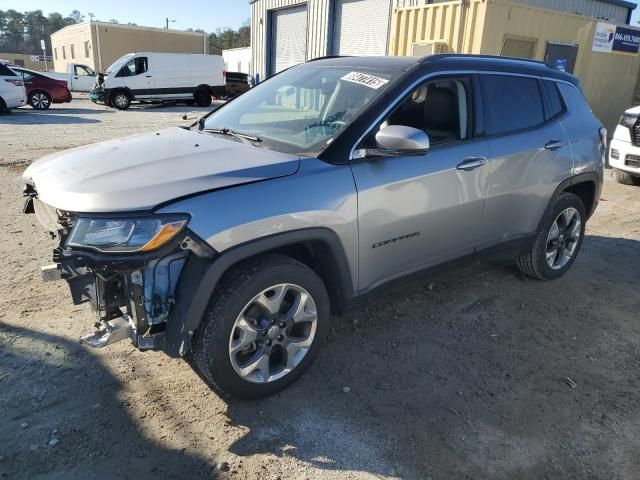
(143, 171)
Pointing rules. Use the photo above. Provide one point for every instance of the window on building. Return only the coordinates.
(55, 53)
(73, 53)
(518, 47)
(511, 103)
(64, 53)
(86, 49)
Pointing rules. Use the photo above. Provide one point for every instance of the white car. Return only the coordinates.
(624, 153)
(12, 91)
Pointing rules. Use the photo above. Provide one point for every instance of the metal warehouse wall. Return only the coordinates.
(318, 30)
(590, 8)
(608, 80)
(438, 22)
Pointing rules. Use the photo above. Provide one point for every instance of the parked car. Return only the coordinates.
(624, 152)
(236, 83)
(79, 77)
(12, 91)
(159, 77)
(43, 90)
(234, 240)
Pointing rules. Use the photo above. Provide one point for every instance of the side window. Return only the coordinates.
(83, 71)
(511, 103)
(554, 102)
(442, 108)
(26, 75)
(135, 66)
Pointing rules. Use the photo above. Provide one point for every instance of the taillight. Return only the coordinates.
(224, 73)
(603, 137)
(17, 83)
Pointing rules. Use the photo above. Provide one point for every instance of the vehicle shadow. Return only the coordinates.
(87, 434)
(48, 117)
(172, 107)
(490, 376)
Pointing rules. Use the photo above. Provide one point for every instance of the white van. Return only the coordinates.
(162, 76)
(12, 91)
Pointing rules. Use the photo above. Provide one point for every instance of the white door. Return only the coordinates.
(361, 27)
(137, 76)
(288, 38)
(82, 78)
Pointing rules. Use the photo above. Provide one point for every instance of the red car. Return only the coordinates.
(42, 90)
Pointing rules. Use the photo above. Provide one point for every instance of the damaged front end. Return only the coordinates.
(127, 267)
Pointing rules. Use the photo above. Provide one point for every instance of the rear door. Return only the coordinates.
(361, 27)
(288, 38)
(530, 156)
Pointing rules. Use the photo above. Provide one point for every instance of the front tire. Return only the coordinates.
(39, 100)
(263, 327)
(202, 97)
(625, 178)
(558, 242)
(120, 100)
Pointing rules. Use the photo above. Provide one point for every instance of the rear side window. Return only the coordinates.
(554, 102)
(511, 103)
(6, 71)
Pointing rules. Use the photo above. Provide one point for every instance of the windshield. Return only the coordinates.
(115, 66)
(304, 108)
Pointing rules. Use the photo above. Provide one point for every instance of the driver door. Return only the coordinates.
(416, 212)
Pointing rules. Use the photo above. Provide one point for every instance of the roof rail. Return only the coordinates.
(464, 56)
(327, 57)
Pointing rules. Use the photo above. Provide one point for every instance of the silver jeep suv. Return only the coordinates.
(233, 241)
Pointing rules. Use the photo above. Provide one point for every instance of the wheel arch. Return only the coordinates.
(319, 248)
(586, 185)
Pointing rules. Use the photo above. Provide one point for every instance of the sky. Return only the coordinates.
(205, 14)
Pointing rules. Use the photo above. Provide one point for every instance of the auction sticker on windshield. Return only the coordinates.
(370, 81)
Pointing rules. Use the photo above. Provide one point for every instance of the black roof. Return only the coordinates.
(453, 61)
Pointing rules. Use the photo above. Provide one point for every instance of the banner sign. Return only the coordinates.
(614, 39)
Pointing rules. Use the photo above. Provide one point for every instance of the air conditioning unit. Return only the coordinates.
(422, 49)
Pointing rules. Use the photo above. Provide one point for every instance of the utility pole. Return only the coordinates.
(167, 20)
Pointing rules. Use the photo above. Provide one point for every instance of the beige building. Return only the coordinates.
(33, 62)
(99, 44)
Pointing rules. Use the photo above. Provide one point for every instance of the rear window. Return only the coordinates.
(6, 71)
(555, 106)
(511, 103)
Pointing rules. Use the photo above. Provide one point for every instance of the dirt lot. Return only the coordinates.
(464, 379)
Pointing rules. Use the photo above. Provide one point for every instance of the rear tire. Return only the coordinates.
(558, 242)
(120, 100)
(202, 97)
(625, 178)
(39, 100)
(263, 327)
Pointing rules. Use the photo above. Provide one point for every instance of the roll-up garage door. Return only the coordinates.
(361, 27)
(288, 37)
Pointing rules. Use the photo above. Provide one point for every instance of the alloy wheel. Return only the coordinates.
(39, 101)
(273, 333)
(120, 100)
(563, 238)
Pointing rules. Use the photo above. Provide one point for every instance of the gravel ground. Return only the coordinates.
(463, 379)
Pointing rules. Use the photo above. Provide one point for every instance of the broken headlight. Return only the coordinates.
(125, 235)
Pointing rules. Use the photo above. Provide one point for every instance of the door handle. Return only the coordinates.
(553, 144)
(471, 163)
(148, 76)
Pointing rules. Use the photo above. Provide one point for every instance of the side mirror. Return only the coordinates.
(396, 141)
